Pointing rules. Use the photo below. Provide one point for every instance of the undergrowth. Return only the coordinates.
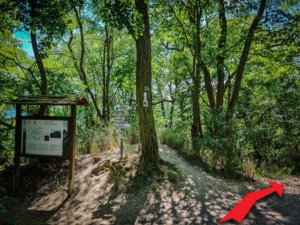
(175, 138)
(212, 157)
(102, 138)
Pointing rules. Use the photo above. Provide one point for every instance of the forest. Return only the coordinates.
(212, 88)
(221, 76)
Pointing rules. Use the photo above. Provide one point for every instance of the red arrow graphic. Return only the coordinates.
(241, 209)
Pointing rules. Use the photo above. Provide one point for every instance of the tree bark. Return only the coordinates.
(196, 128)
(208, 85)
(238, 80)
(148, 137)
(221, 57)
(162, 105)
(38, 58)
(80, 68)
(170, 122)
(243, 60)
(107, 63)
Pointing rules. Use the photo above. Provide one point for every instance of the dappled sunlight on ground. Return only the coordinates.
(199, 199)
(171, 206)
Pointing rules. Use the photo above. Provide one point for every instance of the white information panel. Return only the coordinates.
(44, 137)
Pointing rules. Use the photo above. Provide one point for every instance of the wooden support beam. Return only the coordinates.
(18, 141)
(71, 148)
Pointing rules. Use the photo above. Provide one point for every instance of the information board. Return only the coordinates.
(44, 137)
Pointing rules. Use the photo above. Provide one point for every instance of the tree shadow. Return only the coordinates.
(206, 200)
(45, 215)
(184, 204)
(199, 199)
(37, 203)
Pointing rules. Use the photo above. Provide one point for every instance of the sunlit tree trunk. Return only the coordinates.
(148, 138)
(243, 60)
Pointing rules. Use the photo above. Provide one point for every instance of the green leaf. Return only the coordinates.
(9, 201)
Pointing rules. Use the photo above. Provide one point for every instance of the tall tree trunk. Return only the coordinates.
(239, 77)
(162, 104)
(218, 109)
(80, 68)
(106, 69)
(173, 99)
(38, 59)
(196, 128)
(104, 103)
(109, 63)
(221, 57)
(243, 60)
(170, 123)
(148, 138)
(162, 107)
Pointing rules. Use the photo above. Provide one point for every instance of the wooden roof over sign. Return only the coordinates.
(50, 100)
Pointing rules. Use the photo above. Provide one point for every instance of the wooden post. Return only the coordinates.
(18, 140)
(71, 143)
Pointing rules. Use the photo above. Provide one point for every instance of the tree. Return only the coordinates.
(43, 20)
(210, 43)
(136, 19)
(148, 138)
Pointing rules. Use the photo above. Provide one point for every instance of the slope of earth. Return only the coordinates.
(199, 199)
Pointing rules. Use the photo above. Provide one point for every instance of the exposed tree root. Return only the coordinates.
(131, 175)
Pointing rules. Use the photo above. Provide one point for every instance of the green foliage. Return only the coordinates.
(269, 127)
(98, 139)
(6, 156)
(176, 138)
(6, 138)
(121, 14)
(43, 169)
(104, 138)
(132, 134)
(45, 18)
(6, 201)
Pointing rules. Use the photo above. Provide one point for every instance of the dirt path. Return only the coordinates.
(204, 199)
(200, 199)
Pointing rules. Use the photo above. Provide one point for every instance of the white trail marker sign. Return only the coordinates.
(121, 119)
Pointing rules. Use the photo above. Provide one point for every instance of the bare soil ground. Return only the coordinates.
(199, 199)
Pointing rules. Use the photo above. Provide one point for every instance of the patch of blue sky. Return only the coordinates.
(12, 113)
(24, 40)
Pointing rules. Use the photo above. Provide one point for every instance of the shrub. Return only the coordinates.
(97, 139)
(132, 134)
(177, 139)
(104, 138)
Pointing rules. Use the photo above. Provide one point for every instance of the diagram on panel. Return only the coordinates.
(37, 133)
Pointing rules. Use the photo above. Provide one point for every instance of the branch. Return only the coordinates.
(163, 100)
(172, 48)
(182, 27)
(230, 76)
(6, 125)
(154, 103)
(243, 60)
(206, 103)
